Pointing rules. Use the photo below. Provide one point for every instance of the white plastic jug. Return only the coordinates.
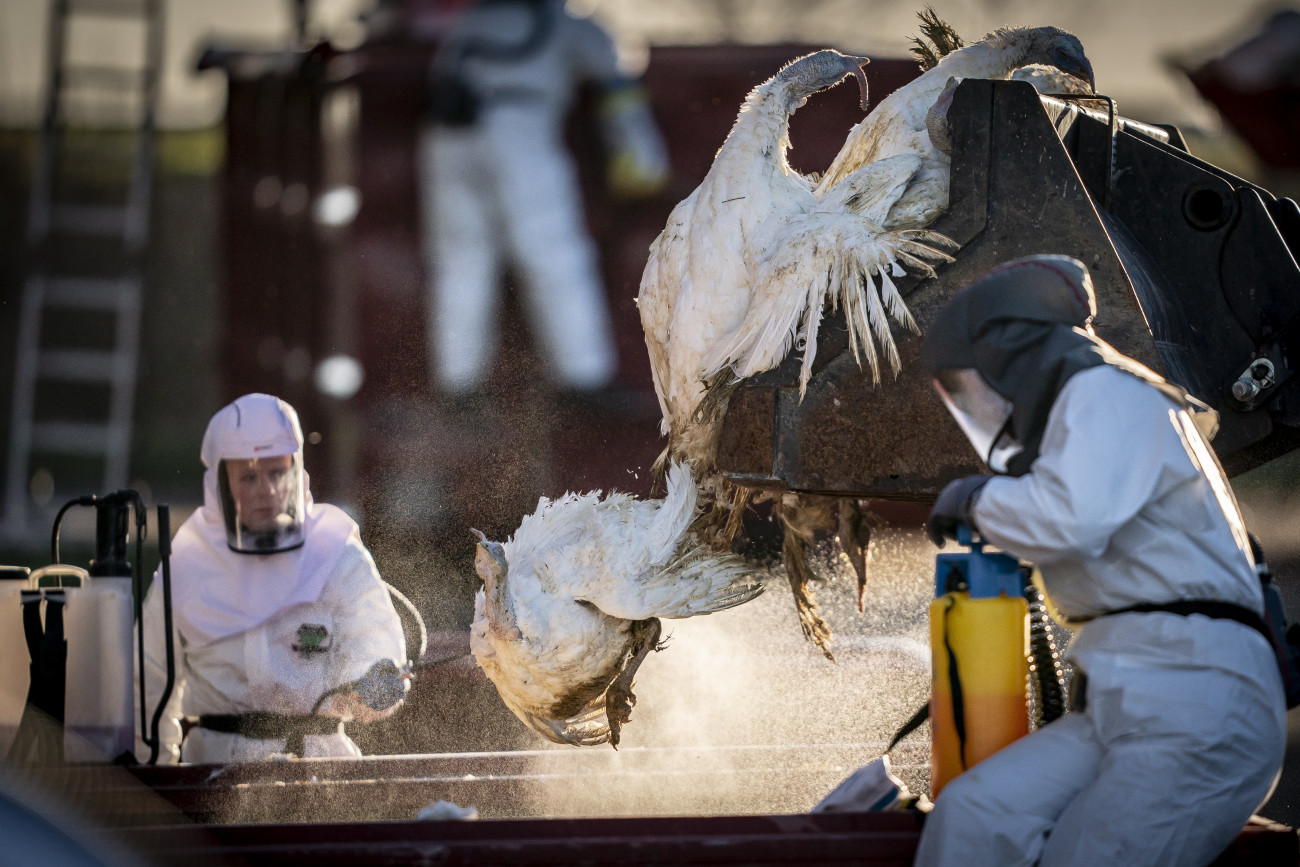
(97, 623)
(98, 723)
(15, 670)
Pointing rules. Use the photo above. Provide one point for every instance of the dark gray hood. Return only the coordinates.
(1025, 327)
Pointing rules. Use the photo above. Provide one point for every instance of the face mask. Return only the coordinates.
(983, 415)
(263, 504)
(1004, 448)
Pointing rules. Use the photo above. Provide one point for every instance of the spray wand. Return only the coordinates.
(409, 671)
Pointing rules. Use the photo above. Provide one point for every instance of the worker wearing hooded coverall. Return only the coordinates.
(275, 602)
(499, 187)
(1105, 480)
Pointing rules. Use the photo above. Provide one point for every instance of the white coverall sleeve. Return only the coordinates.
(1100, 462)
(155, 679)
(369, 630)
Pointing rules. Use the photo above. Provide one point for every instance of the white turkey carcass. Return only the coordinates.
(894, 168)
(745, 265)
(912, 121)
(753, 229)
(894, 171)
(570, 604)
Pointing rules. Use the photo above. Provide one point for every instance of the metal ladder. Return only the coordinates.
(87, 231)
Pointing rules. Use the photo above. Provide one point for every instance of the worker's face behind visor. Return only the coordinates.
(262, 500)
(983, 415)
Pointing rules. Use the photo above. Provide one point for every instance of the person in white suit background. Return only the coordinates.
(499, 187)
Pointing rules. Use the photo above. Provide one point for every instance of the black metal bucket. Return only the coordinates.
(1193, 268)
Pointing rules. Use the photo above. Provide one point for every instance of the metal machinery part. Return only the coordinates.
(1193, 268)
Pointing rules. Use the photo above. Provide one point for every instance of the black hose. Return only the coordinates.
(137, 594)
(87, 500)
(1047, 675)
(347, 687)
(165, 555)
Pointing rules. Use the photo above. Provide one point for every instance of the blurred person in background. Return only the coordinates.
(499, 188)
(276, 602)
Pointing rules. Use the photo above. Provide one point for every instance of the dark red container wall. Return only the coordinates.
(275, 265)
(274, 309)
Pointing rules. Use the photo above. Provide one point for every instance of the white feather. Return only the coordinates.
(897, 126)
(748, 260)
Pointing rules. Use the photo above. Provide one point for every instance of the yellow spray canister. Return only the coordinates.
(979, 647)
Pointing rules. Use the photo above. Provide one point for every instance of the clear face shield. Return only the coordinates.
(983, 415)
(263, 503)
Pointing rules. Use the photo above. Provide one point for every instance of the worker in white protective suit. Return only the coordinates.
(1104, 477)
(500, 188)
(276, 602)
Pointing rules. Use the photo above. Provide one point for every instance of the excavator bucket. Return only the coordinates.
(1195, 273)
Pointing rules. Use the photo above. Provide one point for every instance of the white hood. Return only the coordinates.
(218, 592)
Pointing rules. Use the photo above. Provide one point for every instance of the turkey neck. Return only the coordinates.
(994, 57)
(980, 60)
(500, 608)
(764, 120)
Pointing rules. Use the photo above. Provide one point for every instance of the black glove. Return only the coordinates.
(953, 508)
(382, 686)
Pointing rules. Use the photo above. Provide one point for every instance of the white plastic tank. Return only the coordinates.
(98, 699)
(14, 673)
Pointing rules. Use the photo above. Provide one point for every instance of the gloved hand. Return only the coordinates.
(953, 507)
(637, 165)
(382, 686)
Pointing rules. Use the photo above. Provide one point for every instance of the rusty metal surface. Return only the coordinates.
(92, 801)
(882, 838)
(1014, 193)
(826, 839)
(552, 782)
(782, 837)
(1037, 175)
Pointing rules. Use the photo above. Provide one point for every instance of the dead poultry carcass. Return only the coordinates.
(570, 605)
(745, 265)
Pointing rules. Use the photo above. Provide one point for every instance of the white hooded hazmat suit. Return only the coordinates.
(247, 626)
(1123, 503)
(502, 189)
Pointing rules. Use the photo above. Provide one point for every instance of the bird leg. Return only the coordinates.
(801, 517)
(740, 496)
(794, 552)
(619, 699)
(854, 533)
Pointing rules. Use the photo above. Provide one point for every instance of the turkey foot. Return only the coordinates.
(619, 699)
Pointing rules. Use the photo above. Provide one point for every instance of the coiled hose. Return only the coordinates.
(1046, 671)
